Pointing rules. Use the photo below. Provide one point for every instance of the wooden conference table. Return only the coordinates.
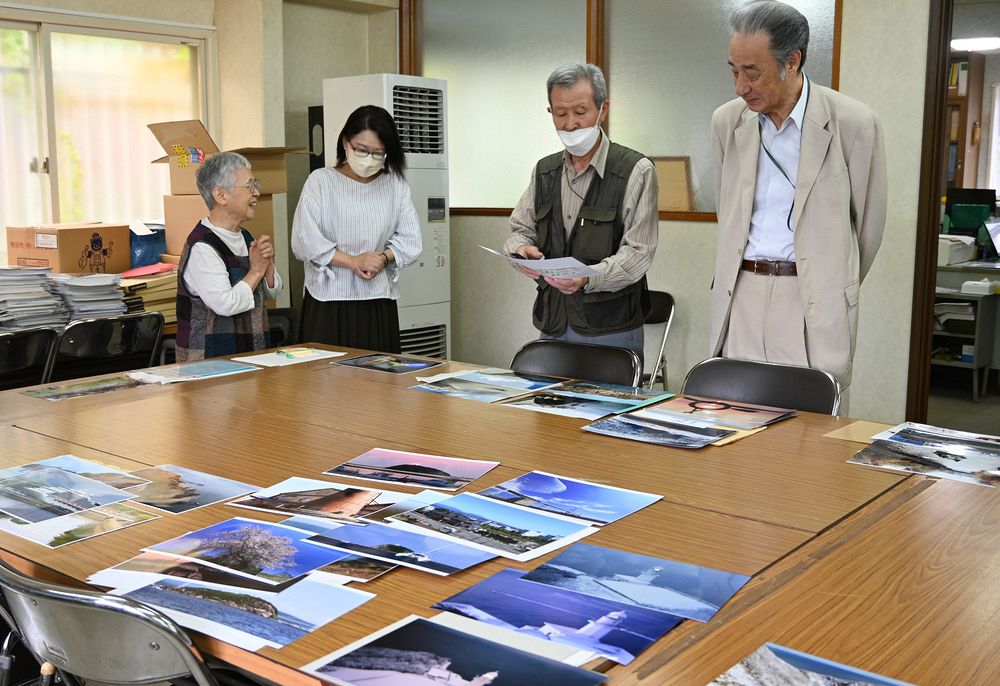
(882, 571)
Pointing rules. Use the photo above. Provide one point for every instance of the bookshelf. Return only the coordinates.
(952, 345)
(963, 115)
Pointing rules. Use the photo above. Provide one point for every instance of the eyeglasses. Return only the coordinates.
(363, 154)
(253, 185)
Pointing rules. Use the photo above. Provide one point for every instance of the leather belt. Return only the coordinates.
(769, 267)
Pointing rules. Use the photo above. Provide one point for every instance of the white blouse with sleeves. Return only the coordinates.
(336, 212)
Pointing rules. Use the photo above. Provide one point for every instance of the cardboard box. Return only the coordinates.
(188, 145)
(968, 353)
(170, 259)
(181, 213)
(954, 249)
(73, 248)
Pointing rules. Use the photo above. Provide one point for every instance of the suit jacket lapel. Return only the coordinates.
(748, 145)
(815, 142)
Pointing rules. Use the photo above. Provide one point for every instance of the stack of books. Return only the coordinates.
(90, 295)
(156, 293)
(955, 312)
(27, 300)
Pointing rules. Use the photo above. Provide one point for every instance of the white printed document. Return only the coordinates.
(556, 267)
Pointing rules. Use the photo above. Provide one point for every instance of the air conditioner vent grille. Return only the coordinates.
(431, 341)
(419, 115)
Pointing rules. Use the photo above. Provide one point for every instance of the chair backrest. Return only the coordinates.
(25, 356)
(765, 383)
(283, 326)
(661, 311)
(98, 636)
(112, 344)
(579, 361)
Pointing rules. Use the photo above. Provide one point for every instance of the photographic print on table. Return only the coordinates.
(247, 617)
(574, 498)
(35, 495)
(433, 554)
(60, 531)
(668, 434)
(567, 405)
(111, 476)
(947, 440)
(316, 498)
(512, 532)
(394, 364)
(416, 651)
(82, 388)
(413, 469)
(615, 630)
(177, 489)
(191, 371)
(508, 378)
(151, 563)
(459, 387)
(634, 396)
(774, 664)
(734, 415)
(413, 502)
(355, 567)
(917, 459)
(273, 553)
(677, 588)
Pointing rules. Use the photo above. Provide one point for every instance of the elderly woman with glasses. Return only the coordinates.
(225, 276)
(355, 229)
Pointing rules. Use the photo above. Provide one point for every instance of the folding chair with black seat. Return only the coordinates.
(113, 344)
(661, 312)
(765, 383)
(283, 326)
(579, 361)
(98, 636)
(25, 356)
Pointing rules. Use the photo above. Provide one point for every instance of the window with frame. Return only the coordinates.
(74, 105)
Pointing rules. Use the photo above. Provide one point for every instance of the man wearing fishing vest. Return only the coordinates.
(800, 186)
(595, 201)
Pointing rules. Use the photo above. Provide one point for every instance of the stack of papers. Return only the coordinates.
(90, 295)
(27, 300)
(156, 293)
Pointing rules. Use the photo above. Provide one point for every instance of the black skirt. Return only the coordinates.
(369, 324)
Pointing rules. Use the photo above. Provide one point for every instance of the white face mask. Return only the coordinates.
(580, 141)
(363, 166)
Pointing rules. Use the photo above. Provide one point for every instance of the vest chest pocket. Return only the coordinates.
(594, 234)
(542, 226)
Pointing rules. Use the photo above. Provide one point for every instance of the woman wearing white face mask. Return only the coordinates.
(355, 229)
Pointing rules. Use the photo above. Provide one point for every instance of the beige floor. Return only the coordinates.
(950, 403)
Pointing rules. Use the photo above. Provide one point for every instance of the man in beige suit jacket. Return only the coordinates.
(800, 188)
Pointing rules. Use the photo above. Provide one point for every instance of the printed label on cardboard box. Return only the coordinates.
(31, 262)
(46, 240)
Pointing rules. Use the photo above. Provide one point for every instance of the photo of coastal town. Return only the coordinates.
(36, 495)
(492, 524)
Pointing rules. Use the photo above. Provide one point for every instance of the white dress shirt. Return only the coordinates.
(772, 231)
(206, 276)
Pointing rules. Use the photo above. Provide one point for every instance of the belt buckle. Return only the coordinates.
(756, 263)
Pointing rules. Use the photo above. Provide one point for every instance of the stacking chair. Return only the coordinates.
(283, 326)
(98, 636)
(579, 361)
(25, 356)
(765, 383)
(101, 346)
(661, 312)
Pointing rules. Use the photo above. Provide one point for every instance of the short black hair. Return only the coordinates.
(375, 119)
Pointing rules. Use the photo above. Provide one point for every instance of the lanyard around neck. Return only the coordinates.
(775, 162)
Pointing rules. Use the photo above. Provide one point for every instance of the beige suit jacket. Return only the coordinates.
(838, 214)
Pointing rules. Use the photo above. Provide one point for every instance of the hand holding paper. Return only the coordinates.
(558, 267)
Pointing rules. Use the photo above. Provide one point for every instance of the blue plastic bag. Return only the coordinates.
(146, 250)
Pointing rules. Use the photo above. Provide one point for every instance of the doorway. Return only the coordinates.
(955, 350)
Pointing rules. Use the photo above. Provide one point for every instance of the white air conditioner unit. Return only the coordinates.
(419, 106)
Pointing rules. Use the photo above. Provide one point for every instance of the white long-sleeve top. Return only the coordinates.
(335, 213)
(206, 276)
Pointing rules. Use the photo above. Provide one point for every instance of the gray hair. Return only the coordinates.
(219, 171)
(569, 74)
(785, 25)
